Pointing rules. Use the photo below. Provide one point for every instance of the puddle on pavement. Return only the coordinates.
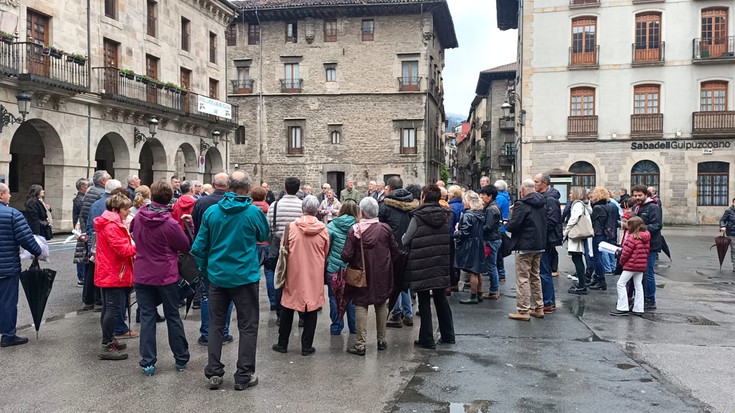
(477, 406)
(575, 306)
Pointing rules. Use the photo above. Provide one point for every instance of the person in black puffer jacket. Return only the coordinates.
(427, 265)
(727, 227)
(600, 211)
(90, 294)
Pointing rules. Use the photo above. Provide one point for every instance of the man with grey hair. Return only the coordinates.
(325, 191)
(81, 185)
(226, 251)
(527, 224)
(554, 237)
(350, 192)
(484, 181)
(90, 295)
(15, 233)
(133, 182)
(503, 202)
(379, 192)
(372, 189)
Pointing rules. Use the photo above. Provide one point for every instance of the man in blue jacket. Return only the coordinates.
(503, 202)
(226, 251)
(14, 233)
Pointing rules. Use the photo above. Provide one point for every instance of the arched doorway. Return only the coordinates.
(36, 157)
(645, 173)
(187, 162)
(152, 162)
(212, 164)
(112, 152)
(584, 175)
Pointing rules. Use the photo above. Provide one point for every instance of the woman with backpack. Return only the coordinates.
(634, 260)
(600, 212)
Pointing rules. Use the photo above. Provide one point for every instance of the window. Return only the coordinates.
(647, 37)
(244, 82)
(713, 96)
(151, 72)
(111, 9)
(240, 135)
(212, 47)
(582, 101)
(336, 137)
(712, 183)
(408, 140)
(330, 30)
(410, 75)
(151, 18)
(295, 142)
(213, 88)
(292, 33)
(645, 173)
(253, 34)
(584, 174)
(291, 81)
(584, 41)
(368, 30)
(714, 32)
(231, 35)
(331, 73)
(646, 99)
(185, 34)
(185, 78)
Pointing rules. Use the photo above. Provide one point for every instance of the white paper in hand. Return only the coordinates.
(44, 250)
(609, 248)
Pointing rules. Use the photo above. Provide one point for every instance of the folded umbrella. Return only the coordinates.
(37, 284)
(665, 248)
(723, 244)
(338, 289)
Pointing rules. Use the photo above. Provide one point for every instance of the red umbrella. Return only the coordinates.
(723, 244)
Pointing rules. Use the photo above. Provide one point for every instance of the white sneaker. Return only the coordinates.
(571, 277)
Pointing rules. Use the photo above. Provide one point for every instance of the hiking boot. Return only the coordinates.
(408, 321)
(394, 321)
(601, 285)
(13, 341)
(649, 305)
(111, 351)
(577, 290)
(491, 296)
(519, 316)
(215, 382)
(358, 351)
(308, 351)
(203, 341)
(382, 345)
(471, 300)
(549, 309)
(617, 312)
(537, 313)
(595, 281)
(228, 339)
(246, 385)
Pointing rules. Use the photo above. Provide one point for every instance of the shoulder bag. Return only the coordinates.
(274, 242)
(582, 228)
(357, 277)
(188, 268)
(282, 261)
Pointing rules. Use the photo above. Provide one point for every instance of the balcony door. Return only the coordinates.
(648, 37)
(292, 79)
(37, 32)
(584, 41)
(111, 65)
(714, 32)
(151, 72)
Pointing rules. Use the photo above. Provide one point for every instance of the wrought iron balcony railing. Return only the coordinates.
(714, 49)
(48, 66)
(585, 59)
(291, 85)
(409, 83)
(648, 53)
(137, 90)
(243, 87)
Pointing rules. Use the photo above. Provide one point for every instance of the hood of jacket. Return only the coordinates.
(107, 218)
(433, 215)
(552, 192)
(343, 223)
(455, 201)
(310, 225)
(644, 236)
(232, 203)
(534, 200)
(401, 199)
(505, 195)
(186, 202)
(154, 214)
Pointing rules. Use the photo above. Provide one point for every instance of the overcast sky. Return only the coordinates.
(481, 46)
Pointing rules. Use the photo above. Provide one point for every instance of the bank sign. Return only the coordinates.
(682, 145)
(214, 107)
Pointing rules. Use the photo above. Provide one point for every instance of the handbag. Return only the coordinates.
(282, 261)
(582, 228)
(274, 243)
(188, 268)
(356, 277)
(506, 245)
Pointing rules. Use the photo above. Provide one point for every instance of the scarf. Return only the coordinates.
(363, 225)
(158, 208)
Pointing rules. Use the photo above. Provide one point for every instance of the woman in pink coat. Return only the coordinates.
(308, 246)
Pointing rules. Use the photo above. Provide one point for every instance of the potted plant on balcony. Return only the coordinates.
(157, 83)
(54, 52)
(6, 37)
(76, 58)
(143, 79)
(171, 87)
(127, 73)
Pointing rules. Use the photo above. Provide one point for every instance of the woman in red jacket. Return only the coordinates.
(113, 270)
(634, 260)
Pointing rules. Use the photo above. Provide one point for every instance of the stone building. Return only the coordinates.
(334, 90)
(630, 92)
(96, 78)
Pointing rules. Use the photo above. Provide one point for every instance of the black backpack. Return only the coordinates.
(611, 225)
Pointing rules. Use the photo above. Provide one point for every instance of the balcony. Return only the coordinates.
(582, 126)
(486, 163)
(645, 54)
(507, 124)
(32, 62)
(578, 4)
(648, 125)
(713, 123)
(714, 50)
(409, 84)
(137, 90)
(486, 128)
(508, 154)
(243, 87)
(291, 85)
(584, 59)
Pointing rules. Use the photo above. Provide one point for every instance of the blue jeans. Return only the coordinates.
(120, 326)
(80, 272)
(337, 324)
(491, 264)
(597, 256)
(649, 279)
(587, 260)
(609, 258)
(8, 305)
(269, 275)
(403, 305)
(204, 328)
(547, 281)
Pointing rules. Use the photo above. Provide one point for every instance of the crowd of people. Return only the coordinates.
(391, 246)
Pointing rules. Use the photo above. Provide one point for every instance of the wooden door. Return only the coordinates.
(37, 32)
(584, 41)
(112, 77)
(714, 32)
(648, 37)
(151, 72)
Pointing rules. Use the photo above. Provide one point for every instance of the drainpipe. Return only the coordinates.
(427, 146)
(261, 101)
(89, 86)
(519, 113)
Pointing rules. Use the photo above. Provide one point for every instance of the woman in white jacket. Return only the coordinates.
(581, 209)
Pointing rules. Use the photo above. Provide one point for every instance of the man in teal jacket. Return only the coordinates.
(226, 251)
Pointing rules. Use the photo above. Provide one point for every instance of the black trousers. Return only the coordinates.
(554, 259)
(307, 335)
(578, 260)
(247, 307)
(443, 315)
(113, 301)
(90, 293)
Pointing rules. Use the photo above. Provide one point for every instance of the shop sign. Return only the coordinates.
(682, 145)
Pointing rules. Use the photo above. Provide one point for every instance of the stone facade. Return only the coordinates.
(361, 98)
(84, 114)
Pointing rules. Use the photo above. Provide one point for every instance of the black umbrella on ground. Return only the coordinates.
(37, 284)
(665, 248)
(723, 244)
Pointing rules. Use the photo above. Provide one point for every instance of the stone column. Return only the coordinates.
(164, 172)
(60, 188)
(125, 169)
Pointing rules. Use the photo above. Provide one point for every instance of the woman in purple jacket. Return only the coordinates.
(158, 239)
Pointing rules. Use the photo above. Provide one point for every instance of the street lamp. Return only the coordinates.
(204, 146)
(24, 106)
(215, 137)
(506, 106)
(139, 136)
(506, 110)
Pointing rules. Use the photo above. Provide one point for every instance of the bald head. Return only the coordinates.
(239, 183)
(4, 194)
(220, 181)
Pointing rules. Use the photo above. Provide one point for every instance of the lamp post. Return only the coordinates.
(24, 106)
(204, 146)
(139, 136)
